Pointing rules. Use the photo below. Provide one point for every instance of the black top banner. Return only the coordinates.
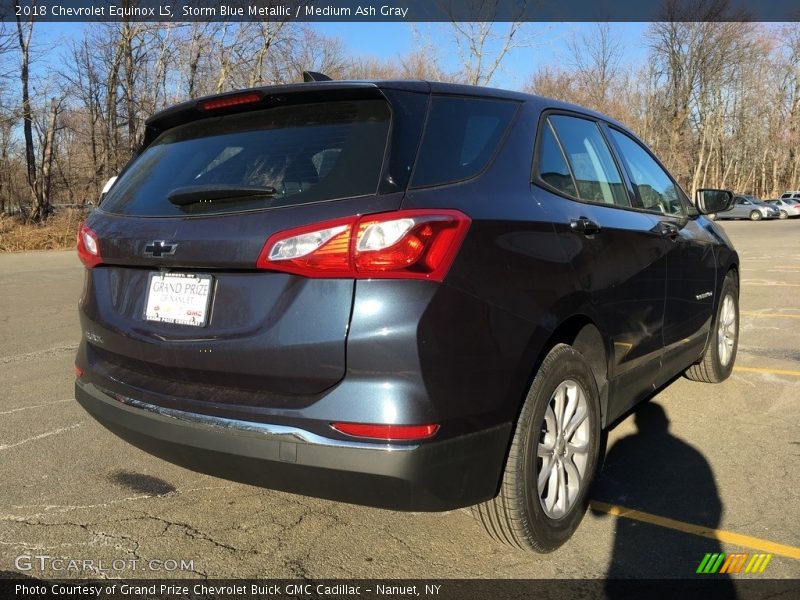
(399, 10)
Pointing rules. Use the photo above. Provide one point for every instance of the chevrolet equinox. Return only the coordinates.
(411, 295)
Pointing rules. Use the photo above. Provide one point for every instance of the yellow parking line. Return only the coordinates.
(727, 537)
(752, 313)
(770, 371)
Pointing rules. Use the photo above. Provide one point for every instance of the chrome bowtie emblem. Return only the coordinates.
(160, 248)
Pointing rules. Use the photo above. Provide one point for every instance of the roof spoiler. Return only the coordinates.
(309, 76)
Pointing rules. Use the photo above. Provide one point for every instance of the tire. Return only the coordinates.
(784, 215)
(717, 362)
(524, 514)
(755, 215)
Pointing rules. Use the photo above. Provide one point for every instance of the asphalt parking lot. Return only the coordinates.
(704, 468)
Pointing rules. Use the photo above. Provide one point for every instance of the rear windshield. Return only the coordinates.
(461, 137)
(293, 154)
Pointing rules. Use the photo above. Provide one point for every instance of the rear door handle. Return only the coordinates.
(584, 226)
(668, 229)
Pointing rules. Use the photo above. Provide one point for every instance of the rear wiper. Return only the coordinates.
(192, 194)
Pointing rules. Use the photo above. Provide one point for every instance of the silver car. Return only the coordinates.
(787, 207)
(750, 207)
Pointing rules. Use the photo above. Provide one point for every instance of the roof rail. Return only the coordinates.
(309, 76)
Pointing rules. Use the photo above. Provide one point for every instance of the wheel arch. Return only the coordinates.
(584, 335)
(733, 268)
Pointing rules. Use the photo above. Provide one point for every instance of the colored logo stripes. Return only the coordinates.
(719, 562)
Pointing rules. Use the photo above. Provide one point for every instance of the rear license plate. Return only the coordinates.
(181, 298)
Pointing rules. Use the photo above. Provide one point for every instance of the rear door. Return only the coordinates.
(178, 304)
(616, 251)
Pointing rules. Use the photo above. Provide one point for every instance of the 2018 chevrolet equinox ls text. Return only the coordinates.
(403, 294)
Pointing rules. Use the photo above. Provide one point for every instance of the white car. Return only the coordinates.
(788, 207)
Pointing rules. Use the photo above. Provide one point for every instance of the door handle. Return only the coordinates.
(667, 229)
(584, 226)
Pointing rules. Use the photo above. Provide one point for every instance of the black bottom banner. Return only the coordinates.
(391, 589)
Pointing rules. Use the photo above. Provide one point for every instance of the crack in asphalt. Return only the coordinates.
(98, 536)
(297, 568)
(193, 533)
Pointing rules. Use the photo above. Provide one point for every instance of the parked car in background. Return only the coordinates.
(405, 294)
(750, 207)
(788, 207)
(793, 194)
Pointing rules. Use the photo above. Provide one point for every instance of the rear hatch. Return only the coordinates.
(178, 309)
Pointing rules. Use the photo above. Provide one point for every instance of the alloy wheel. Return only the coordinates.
(563, 450)
(726, 333)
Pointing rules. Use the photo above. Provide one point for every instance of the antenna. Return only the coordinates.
(309, 76)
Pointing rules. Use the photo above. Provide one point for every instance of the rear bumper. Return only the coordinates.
(432, 476)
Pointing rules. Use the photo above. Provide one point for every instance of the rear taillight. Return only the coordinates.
(88, 247)
(387, 432)
(78, 372)
(407, 244)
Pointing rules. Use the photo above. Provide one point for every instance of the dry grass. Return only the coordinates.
(57, 233)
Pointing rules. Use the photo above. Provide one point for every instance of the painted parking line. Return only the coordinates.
(23, 408)
(41, 436)
(752, 313)
(727, 537)
(768, 371)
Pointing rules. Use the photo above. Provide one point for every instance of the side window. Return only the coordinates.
(461, 136)
(655, 187)
(552, 166)
(593, 167)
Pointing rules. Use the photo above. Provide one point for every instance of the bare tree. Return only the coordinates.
(482, 46)
(48, 137)
(595, 61)
(308, 50)
(24, 35)
(7, 41)
(592, 74)
(719, 101)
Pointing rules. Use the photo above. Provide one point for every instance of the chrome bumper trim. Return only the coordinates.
(267, 430)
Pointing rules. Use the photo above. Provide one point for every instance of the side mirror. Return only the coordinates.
(106, 187)
(713, 201)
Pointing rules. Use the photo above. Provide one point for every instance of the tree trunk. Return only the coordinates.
(47, 153)
(27, 119)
